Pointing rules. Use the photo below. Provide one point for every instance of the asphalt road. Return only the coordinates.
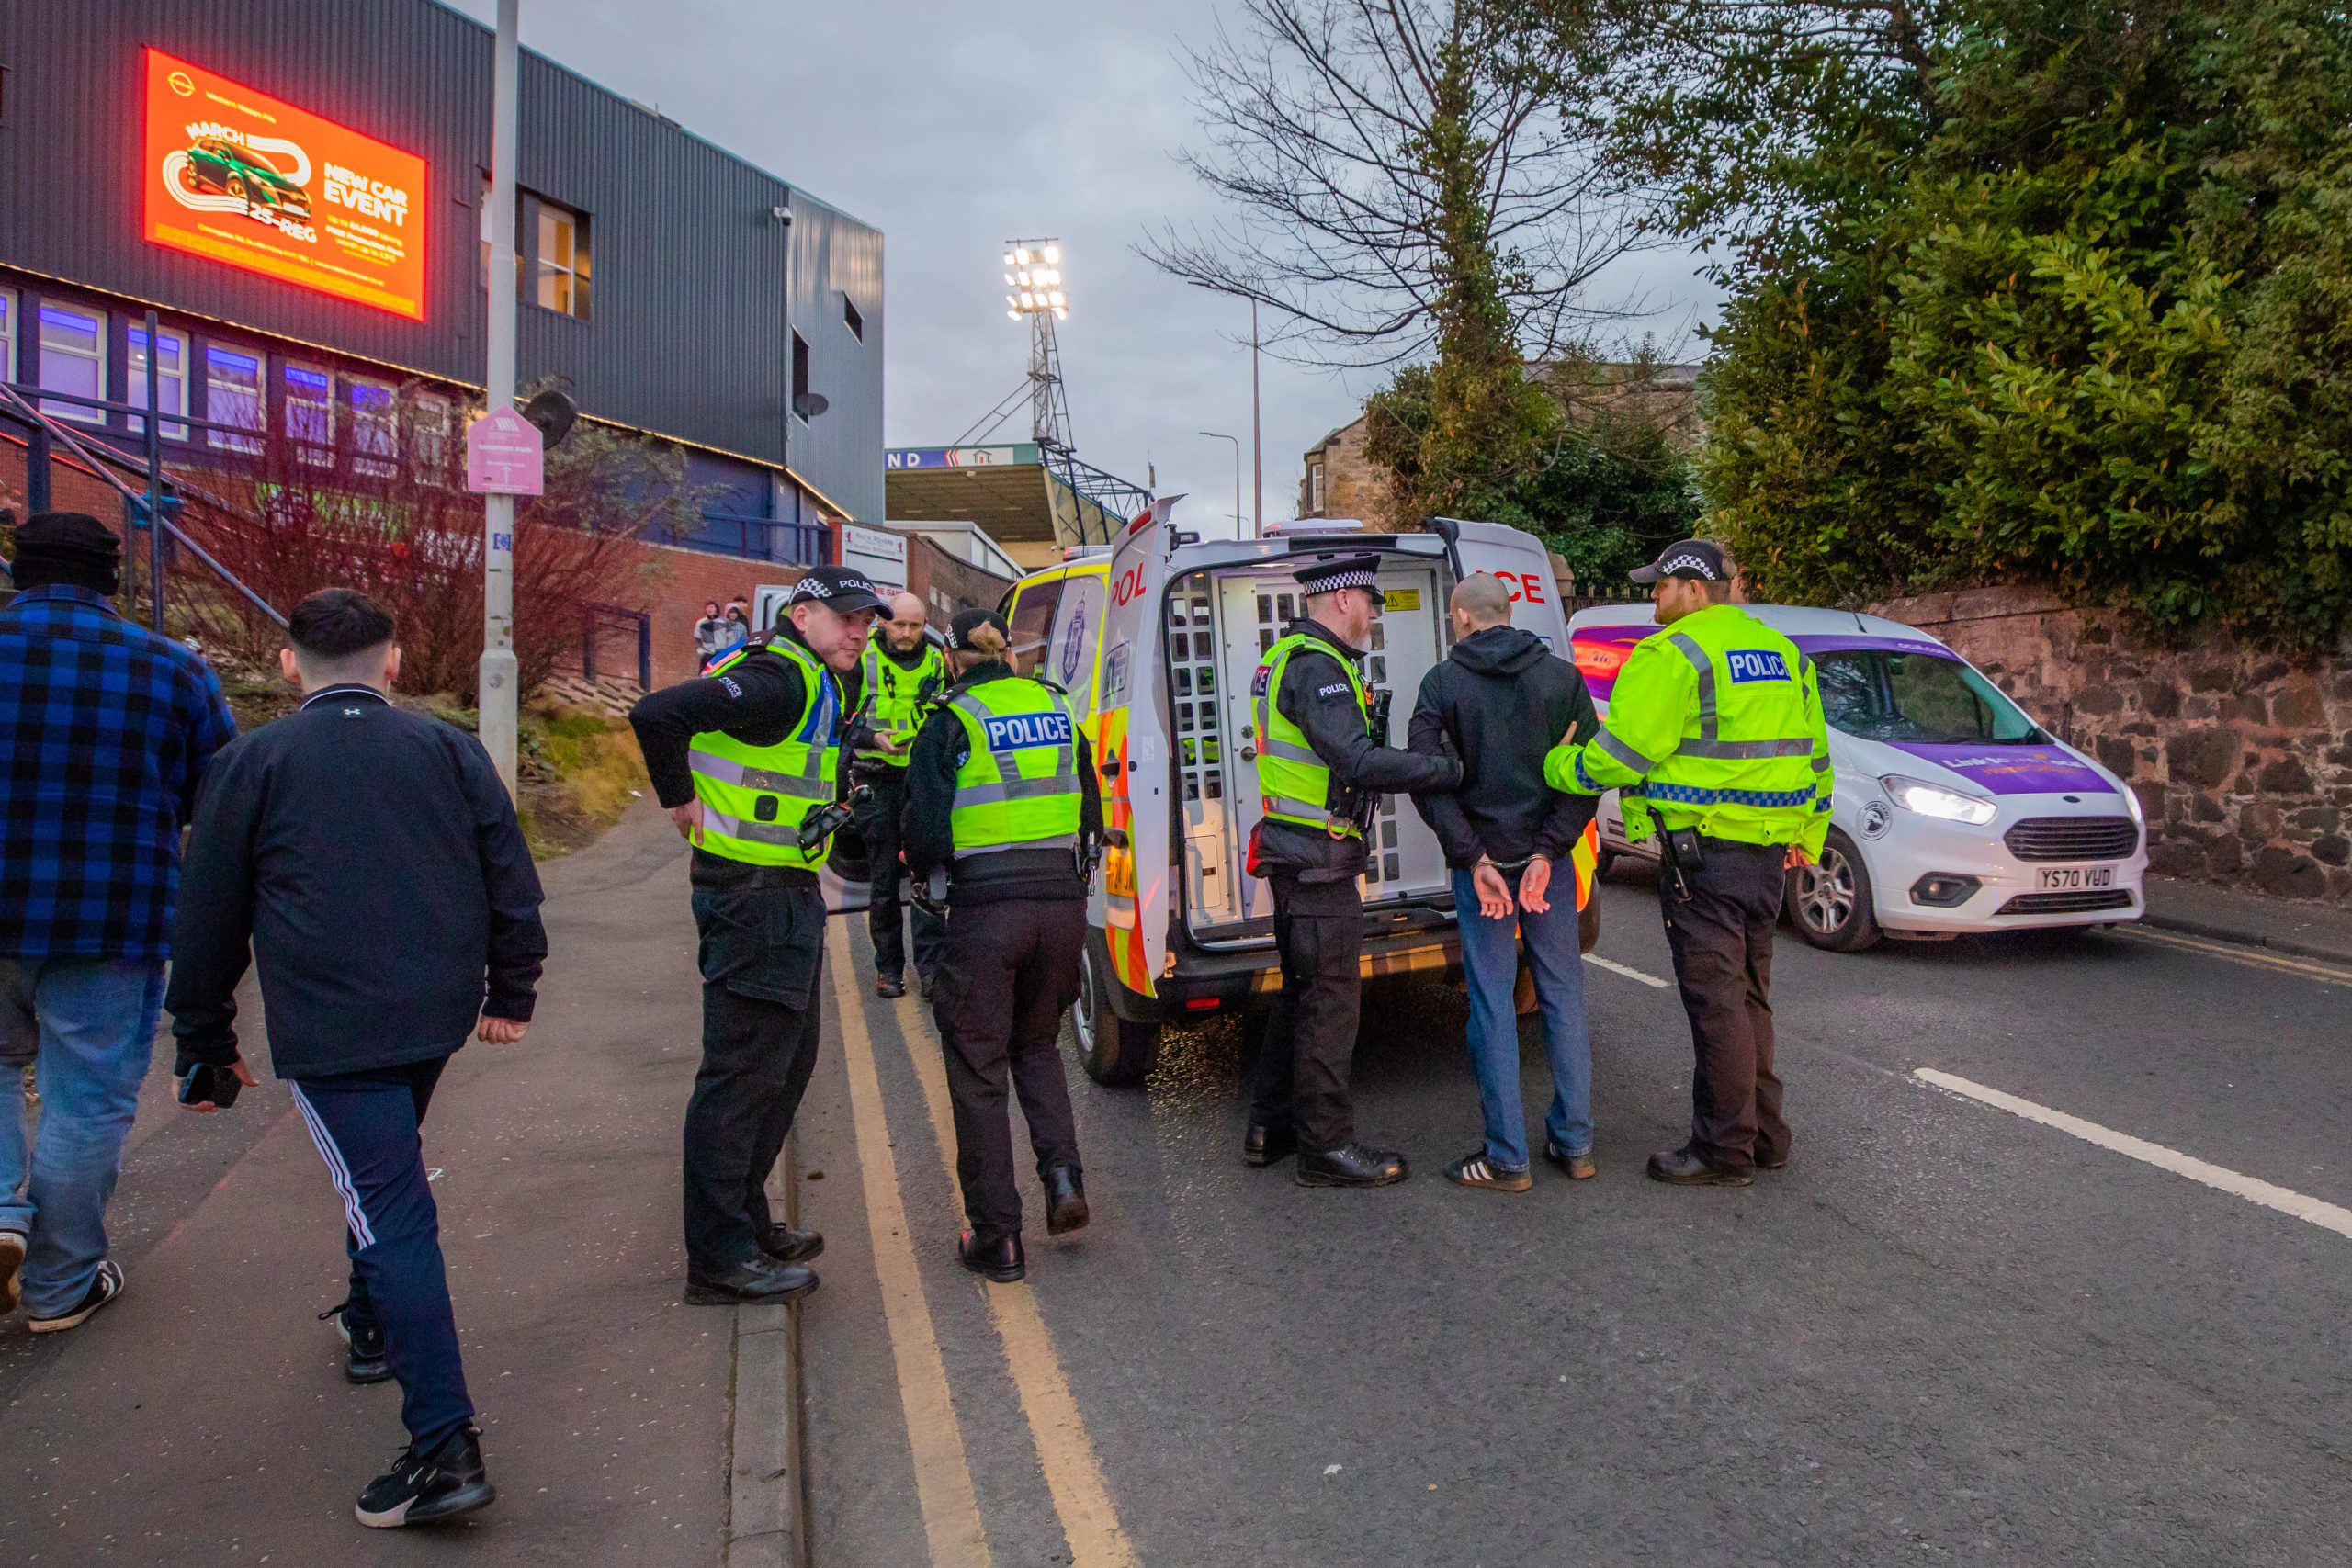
(1946, 1333)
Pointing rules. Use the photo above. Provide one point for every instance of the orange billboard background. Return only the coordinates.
(238, 176)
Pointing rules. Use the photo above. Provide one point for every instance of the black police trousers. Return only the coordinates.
(1721, 938)
(1007, 975)
(1311, 1041)
(762, 953)
(881, 823)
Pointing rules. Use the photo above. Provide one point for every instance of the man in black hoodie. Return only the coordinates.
(1504, 833)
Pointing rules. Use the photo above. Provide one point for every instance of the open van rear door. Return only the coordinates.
(1521, 560)
(1131, 898)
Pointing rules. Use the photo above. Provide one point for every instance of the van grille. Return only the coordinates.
(2073, 838)
(2067, 903)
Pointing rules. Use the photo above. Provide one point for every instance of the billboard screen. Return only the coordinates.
(236, 176)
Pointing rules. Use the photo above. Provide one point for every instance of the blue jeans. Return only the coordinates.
(365, 1125)
(1490, 966)
(92, 1021)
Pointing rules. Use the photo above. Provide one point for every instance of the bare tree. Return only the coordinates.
(1398, 167)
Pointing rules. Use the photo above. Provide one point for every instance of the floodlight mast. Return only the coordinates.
(1032, 275)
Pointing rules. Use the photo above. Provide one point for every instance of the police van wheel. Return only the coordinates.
(1832, 903)
(1114, 1050)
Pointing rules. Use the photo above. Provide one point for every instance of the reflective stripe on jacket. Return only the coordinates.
(891, 693)
(1294, 781)
(754, 797)
(1018, 788)
(1714, 723)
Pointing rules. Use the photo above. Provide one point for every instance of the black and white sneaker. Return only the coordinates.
(367, 1361)
(425, 1489)
(103, 1289)
(12, 1258)
(1474, 1169)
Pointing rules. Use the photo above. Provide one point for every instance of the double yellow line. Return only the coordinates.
(2250, 957)
(943, 1475)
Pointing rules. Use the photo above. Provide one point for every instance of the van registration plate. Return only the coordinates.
(2072, 878)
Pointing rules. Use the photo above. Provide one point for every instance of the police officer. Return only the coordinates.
(1320, 767)
(742, 757)
(901, 674)
(1714, 739)
(1001, 796)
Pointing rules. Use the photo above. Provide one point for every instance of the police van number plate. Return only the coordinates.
(2072, 878)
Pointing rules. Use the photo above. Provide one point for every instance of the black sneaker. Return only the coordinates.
(424, 1489)
(103, 1289)
(1474, 1169)
(365, 1361)
(1579, 1167)
(890, 987)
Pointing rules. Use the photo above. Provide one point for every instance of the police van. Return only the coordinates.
(1955, 813)
(1155, 638)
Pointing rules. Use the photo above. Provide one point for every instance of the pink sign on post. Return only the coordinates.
(504, 455)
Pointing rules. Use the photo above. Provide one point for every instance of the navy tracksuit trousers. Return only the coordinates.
(366, 1128)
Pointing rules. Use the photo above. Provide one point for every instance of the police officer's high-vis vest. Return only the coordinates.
(1295, 783)
(1019, 789)
(1714, 723)
(892, 705)
(754, 797)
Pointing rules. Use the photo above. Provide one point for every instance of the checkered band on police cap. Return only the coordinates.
(1329, 576)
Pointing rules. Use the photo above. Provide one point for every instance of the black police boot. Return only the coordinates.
(424, 1489)
(365, 1361)
(1001, 1259)
(758, 1282)
(1262, 1145)
(1064, 1200)
(788, 1245)
(1683, 1168)
(1349, 1165)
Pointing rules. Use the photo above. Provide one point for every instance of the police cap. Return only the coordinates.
(1693, 559)
(1329, 573)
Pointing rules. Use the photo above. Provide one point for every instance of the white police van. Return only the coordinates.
(1955, 812)
(1155, 638)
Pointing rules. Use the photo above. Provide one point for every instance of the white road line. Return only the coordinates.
(1626, 970)
(2327, 1216)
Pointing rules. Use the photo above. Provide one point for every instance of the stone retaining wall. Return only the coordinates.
(2243, 759)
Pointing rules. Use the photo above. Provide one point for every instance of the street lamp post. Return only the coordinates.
(1237, 472)
(1257, 435)
(496, 701)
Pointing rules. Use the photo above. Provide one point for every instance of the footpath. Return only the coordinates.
(2304, 930)
(204, 1419)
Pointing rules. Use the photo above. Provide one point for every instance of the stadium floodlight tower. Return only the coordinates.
(1033, 272)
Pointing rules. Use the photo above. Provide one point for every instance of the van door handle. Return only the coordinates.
(1249, 753)
(1110, 769)
(1115, 837)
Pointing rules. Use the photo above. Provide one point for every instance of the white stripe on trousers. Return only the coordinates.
(338, 1172)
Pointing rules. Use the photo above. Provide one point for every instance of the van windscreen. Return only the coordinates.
(1881, 694)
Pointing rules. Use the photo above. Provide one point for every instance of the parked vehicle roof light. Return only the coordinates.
(1935, 800)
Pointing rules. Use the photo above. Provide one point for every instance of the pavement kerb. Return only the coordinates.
(767, 1482)
(2241, 937)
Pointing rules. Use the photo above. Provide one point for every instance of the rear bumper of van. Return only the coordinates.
(1414, 941)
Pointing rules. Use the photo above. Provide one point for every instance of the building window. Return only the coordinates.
(428, 440)
(232, 395)
(375, 428)
(310, 415)
(799, 377)
(171, 380)
(560, 261)
(72, 360)
(851, 319)
(1314, 490)
(7, 335)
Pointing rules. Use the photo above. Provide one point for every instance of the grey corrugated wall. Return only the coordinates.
(687, 332)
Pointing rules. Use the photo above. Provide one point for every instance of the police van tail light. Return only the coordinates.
(1934, 800)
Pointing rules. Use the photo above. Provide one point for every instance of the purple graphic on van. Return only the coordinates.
(2010, 770)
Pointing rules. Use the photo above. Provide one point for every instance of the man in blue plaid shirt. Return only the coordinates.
(104, 731)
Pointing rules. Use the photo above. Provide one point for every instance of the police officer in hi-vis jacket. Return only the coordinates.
(900, 676)
(743, 757)
(1002, 797)
(1318, 767)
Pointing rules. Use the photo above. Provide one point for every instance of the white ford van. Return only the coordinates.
(1155, 638)
(1955, 812)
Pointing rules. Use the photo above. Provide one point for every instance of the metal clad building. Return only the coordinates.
(675, 268)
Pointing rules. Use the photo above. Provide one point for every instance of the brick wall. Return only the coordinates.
(2243, 759)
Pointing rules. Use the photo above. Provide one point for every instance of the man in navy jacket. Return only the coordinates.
(373, 860)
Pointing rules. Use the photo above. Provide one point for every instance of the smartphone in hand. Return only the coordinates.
(209, 1085)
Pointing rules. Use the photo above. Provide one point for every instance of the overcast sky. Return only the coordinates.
(954, 126)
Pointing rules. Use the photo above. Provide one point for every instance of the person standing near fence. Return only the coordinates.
(105, 731)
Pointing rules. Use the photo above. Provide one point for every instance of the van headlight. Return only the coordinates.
(1934, 800)
(2132, 803)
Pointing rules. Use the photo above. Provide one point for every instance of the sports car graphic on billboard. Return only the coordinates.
(244, 179)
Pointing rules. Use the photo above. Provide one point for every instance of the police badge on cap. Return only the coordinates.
(1329, 574)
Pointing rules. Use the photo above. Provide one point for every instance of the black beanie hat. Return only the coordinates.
(71, 548)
